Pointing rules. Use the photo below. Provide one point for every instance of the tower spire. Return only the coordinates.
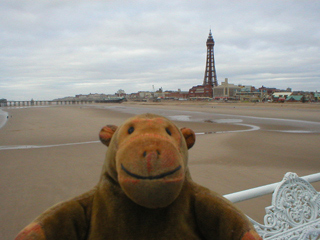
(210, 76)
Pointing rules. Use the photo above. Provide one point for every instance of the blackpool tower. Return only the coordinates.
(210, 76)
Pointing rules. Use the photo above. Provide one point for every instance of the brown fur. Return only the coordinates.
(145, 192)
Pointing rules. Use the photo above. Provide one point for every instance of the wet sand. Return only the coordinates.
(34, 178)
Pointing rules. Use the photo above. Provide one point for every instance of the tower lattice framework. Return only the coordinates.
(210, 76)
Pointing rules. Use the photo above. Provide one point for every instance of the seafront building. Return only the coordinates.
(201, 91)
(226, 91)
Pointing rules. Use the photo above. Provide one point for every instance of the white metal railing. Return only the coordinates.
(295, 209)
(264, 190)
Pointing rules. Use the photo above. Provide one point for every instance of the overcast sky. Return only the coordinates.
(52, 48)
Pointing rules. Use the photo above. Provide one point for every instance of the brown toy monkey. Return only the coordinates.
(145, 192)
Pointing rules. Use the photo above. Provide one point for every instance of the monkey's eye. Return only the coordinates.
(130, 130)
(168, 131)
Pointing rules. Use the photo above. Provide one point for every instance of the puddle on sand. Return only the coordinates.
(184, 118)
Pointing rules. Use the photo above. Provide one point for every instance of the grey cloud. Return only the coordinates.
(55, 48)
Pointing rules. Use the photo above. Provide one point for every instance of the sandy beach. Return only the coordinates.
(50, 154)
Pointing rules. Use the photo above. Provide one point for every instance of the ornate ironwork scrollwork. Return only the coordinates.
(294, 213)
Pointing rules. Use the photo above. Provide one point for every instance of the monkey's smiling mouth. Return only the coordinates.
(159, 176)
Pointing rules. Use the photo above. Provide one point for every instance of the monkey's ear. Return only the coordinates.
(106, 134)
(189, 136)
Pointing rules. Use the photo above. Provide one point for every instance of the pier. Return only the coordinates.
(43, 103)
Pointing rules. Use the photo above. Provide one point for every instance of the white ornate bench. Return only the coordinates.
(295, 209)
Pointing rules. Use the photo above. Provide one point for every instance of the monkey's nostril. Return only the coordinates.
(157, 152)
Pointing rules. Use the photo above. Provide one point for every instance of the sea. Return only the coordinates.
(3, 118)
